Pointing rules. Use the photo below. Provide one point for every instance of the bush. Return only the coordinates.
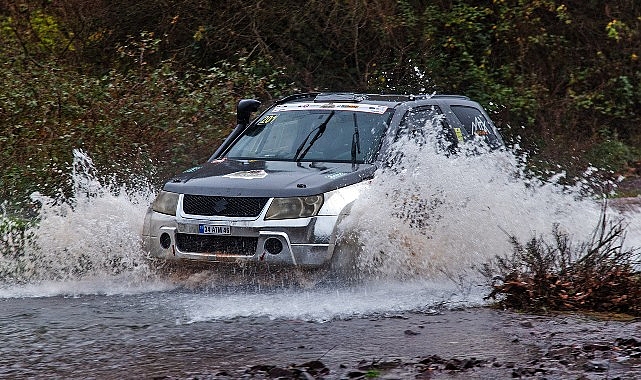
(16, 237)
(597, 275)
(612, 154)
(130, 123)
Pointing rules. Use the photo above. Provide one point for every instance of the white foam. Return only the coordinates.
(87, 243)
(457, 213)
(378, 297)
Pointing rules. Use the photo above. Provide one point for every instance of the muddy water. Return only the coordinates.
(149, 335)
(155, 335)
(82, 301)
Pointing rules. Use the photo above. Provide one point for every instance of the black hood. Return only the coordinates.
(267, 178)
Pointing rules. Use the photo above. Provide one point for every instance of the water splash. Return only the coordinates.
(441, 217)
(92, 238)
(324, 304)
(423, 226)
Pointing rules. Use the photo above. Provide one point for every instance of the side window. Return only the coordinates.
(416, 120)
(476, 124)
(419, 122)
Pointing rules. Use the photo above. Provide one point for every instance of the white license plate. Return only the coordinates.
(213, 230)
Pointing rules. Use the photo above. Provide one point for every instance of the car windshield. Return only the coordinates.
(315, 132)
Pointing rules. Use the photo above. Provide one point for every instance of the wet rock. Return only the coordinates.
(627, 342)
(306, 376)
(558, 353)
(596, 347)
(356, 375)
(454, 364)
(379, 364)
(410, 332)
(526, 324)
(260, 368)
(278, 373)
(527, 372)
(397, 316)
(596, 366)
(315, 368)
(307, 371)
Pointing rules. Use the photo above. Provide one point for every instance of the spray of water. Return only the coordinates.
(441, 217)
(89, 242)
(423, 226)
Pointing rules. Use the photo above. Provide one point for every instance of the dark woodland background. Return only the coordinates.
(150, 88)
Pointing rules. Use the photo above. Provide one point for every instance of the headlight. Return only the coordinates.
(294, 207)
(165, 203)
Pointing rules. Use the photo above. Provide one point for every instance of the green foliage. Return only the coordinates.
(372, 373)
(35, 33)
(612, 155)
(155, 83)
(128, 121)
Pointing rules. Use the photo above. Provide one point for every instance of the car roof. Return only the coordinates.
(389, 100)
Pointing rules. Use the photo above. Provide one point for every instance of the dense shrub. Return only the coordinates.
(600, 274)
(130, 123)
(131, 82)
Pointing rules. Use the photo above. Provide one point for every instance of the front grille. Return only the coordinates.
(223, 206)
(231, 245)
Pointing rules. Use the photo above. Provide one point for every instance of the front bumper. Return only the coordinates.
(305, 242)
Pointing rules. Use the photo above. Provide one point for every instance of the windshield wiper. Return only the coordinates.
(356, 141)
(319, 131)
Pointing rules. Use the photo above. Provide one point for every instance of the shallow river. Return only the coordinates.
(80, 300)
(229, 334)
(184, 333)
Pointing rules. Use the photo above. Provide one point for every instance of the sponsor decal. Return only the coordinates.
(459, 134)
(247, 174)
(335, 175)
(191, 170)
(267, 119)
(479, 126)
(361, 107)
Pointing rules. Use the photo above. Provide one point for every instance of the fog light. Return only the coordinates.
(165, 240)
(273, 246)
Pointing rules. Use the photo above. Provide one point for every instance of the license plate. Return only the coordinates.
(213, 230)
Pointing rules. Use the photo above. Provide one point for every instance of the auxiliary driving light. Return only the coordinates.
(273, 246)
(165, 240)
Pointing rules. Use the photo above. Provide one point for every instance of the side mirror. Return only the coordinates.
(245, 109)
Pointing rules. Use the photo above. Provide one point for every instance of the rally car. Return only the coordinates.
(277, 188)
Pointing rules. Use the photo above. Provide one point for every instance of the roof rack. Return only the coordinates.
(445, 96)
(355, 97)
(340, 97)
(289, 98)
(351, 97)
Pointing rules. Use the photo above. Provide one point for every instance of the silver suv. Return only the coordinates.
(277, 187)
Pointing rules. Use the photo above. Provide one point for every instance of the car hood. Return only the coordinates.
(259, 178)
